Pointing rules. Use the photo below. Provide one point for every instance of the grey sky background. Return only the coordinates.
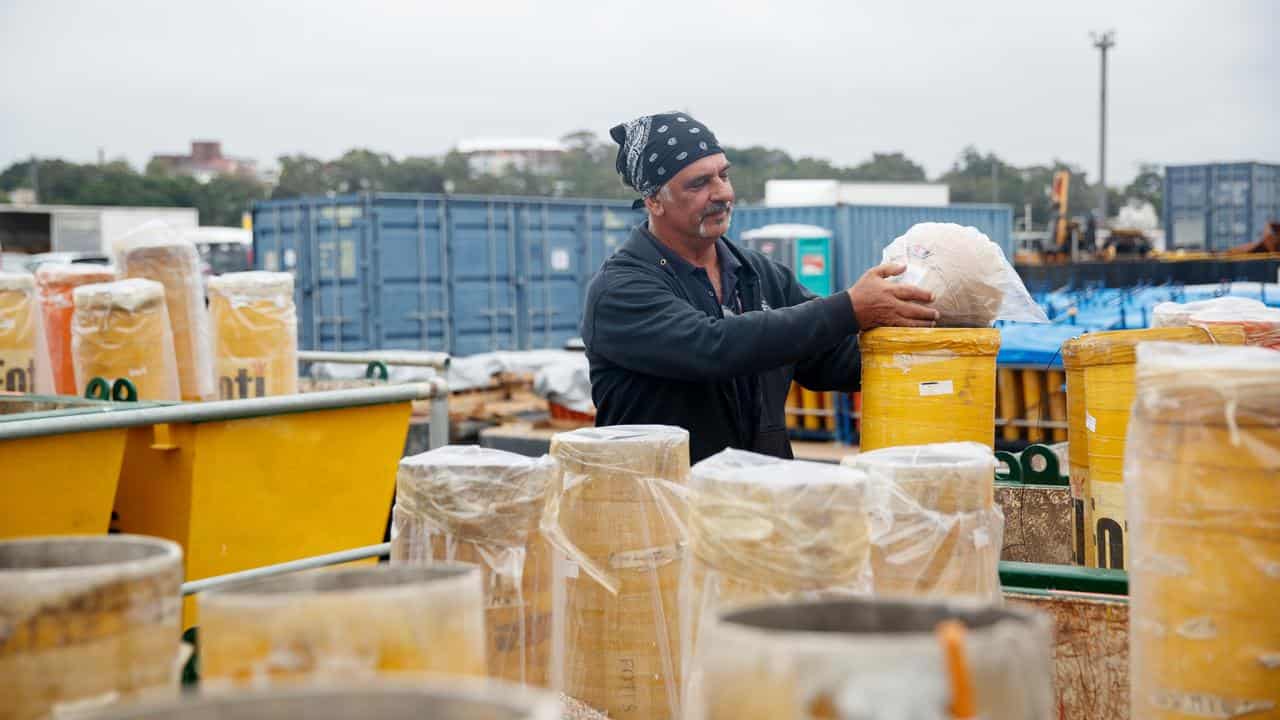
(1191, 81)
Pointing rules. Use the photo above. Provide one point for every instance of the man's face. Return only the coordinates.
(698, 201)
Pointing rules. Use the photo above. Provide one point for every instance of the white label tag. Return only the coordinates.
(559, 259)
(1090, 422)
(936, 387)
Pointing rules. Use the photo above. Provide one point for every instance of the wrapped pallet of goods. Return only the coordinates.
(872, 658)
(87, 621)
(344, 624)
(1202, 476)
(1083, 543)
(121, 330)
(947, 531)
(55, 283)
(1108, 361)
(156, 252)
(483, 506)
(1261, 326)
(255, 334)
(616, 581)
(1172, 314)
(24, 357)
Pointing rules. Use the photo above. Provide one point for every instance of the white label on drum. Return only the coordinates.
(936, 387)
(1091, 422)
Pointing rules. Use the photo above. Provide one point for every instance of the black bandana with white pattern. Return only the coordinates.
(653, 148)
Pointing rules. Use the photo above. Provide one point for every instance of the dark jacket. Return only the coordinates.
(662, 352)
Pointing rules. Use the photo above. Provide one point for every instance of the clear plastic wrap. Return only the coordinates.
(345, 624)
(972, 282)
(871, 659)
(1172, 314)
(1261, 326)
(255, 334)
(615, 627)
(1108, 359)
(87, 621)
(24, 356)
(121, 330)
(1078, 455)
(483, 506)
(55, 283)
(155, 251)
(1202, 474)
(928, 385)
(947, 531)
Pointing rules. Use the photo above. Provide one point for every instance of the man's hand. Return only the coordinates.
(877, 302)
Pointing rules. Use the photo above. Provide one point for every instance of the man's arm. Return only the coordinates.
(838, 368)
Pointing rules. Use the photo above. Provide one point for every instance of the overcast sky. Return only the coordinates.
(1191, 80)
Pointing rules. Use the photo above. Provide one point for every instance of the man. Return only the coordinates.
(1268, 243)
(682, 327)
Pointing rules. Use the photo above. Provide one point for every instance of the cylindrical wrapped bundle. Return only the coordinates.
(615, 628)
(86, 621)
(764, 528)
(804, 660)
(1261, 327)
(947, 530)
(1078, 455)
(24, 359)
(483, 506)
(343, 624)
(55, 283)
(176, 265)
(121, 330)
(928, 385)
(1171, 314)
(1108, 358)
(394, 700)
(1202, 474)
(255, 334)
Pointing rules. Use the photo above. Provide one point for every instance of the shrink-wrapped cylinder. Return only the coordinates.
(1261, 326)
(871, 657)
(946, 529)
(87, 621)
(616, 627)
(343, 624)
(121, 330)
(1078, 456)
(24, 357)
(55, 282)
(483, 506)
(1202, 477)
(156, 252)
(255, 334)
(1172, 314)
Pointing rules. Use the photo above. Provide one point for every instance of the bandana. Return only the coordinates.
(652, 149)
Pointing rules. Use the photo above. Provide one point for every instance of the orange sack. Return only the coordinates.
(55, 283)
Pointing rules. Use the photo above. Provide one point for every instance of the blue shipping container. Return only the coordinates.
(1219, 206)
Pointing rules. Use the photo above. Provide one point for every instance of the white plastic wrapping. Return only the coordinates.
(972, 282)
(24, 355)
(946, 531)
(255, 334)
(1171, 314)
(483, 506)
(121, 330)
(87, 621)
(1202, 480)
(1261, 325)
(567, 383)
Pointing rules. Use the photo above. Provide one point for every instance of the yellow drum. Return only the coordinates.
(928, 385)
(55, 283)
(121, 330)
(1107, 359)
(255, 334)
(1203, 481)
(1086, 548)
(24, 366)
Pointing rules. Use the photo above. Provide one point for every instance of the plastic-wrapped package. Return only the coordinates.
(87, 621)
(1078, 455)
(54, 283)
(1261, 326)
(973, 285)
(483, 506)
(947, 530)
(24, 357)
(1172, 314)
(157, 252)
(1108, 359)
(616, 626)
(928, 385)
(121, 330)
(343, 624)
(1202, 475)
(255, 334)
(849, 657)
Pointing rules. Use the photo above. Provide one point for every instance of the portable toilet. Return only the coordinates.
(806, 249)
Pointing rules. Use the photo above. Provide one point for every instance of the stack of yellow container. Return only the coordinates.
(121, 330)
(255, 334)
(24, 360)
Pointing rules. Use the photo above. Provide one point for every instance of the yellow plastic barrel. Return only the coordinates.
(1057, 403)
(176, 266)
(22, 356)
(1078, 455)
(255, 334)
(121, 330)
(1204, 492)
(1108, 359)
(55, 282)
(1035, 408)
(928, 385)
(1010, 396)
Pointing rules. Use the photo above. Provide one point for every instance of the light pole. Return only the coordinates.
(1104, 42)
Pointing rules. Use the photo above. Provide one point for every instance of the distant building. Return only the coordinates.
(206, 162)
(495, 156)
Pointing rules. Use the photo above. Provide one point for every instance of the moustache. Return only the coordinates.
(716, 208)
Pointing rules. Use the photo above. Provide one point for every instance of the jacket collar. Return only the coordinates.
(646, 247)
